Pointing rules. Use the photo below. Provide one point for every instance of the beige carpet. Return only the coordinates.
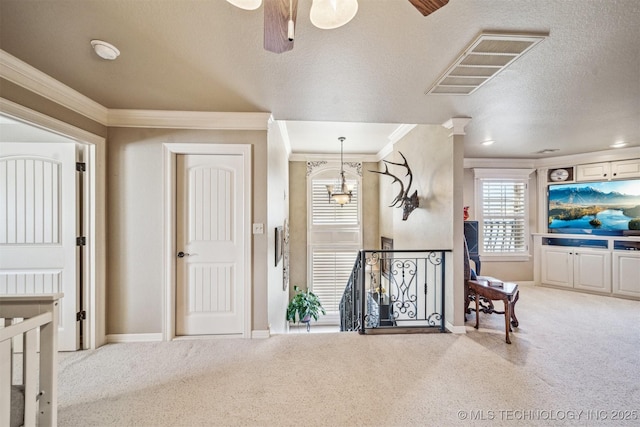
(575, 360)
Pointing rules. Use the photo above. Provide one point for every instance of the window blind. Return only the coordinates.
(331, 213)
(330, 272)
(504, 216)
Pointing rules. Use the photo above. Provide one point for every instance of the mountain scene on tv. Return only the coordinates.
(596, 206)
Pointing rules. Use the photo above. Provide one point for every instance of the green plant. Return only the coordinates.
(305, 305)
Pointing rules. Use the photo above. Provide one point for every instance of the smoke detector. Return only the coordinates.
(105, 50)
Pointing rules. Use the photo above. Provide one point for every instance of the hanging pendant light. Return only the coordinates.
(246, 4)
(329, 14)
(343, 194)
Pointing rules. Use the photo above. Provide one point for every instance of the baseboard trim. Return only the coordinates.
(121, 338)
(527, 283)
(455, 329)
(260, 334)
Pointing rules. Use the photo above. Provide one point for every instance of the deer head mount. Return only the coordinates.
(402, 200)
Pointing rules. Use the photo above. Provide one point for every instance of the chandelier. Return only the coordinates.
(341, 195)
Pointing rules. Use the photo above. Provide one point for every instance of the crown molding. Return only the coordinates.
(333, 157)
(559, 161)
(500, 163)
(188, 120)
(594, 157)
(457, 125)
(34, 80)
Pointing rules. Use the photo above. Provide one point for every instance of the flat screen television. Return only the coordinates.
(602, 208)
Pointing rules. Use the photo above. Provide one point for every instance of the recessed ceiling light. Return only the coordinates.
(105, 50)
(489, 142)
(618, 145)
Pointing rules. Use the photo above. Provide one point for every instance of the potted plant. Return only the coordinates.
(304, 306)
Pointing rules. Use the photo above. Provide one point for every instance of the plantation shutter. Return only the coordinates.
(331, 213)
(334, 240)
(504, 216)
(331, 270)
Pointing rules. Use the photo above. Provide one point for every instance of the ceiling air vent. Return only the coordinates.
(483, 59)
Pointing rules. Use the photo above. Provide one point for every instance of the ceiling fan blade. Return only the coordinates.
(276, 20)
(428, 6)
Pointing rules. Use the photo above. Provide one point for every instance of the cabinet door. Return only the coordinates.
(557, 266)
(625, 169)
(592, 270)
(593, 171)
(626, 273)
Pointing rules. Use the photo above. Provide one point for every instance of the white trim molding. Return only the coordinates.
(188, 120)
(455, 329)
(260, 334)
(34, 118)
(124, 338)
(457, 125)
(30, 78)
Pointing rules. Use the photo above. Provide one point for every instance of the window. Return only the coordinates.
(333, 239)
(502, 210)
(333, 214)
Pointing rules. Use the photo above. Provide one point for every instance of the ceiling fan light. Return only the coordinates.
(329, 14)
(246, 4)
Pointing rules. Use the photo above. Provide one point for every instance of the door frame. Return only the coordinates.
(169, 153)
(94, 206)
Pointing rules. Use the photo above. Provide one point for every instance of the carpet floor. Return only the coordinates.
(574, 360)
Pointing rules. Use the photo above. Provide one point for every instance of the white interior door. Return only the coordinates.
(38, 226)
(210, 233)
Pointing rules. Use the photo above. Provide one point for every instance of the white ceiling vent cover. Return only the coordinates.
(483, 59)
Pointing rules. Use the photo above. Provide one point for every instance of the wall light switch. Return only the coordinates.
(258, 228)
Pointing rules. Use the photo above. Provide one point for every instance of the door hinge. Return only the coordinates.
(81, 241)
(81, 167)
(81, 315)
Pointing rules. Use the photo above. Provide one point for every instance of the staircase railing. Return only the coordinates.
(394, 290)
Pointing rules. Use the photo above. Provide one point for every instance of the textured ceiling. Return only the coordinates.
(578, 91)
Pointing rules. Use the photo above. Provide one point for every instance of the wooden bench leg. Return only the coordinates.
(514, 319)
(507, 319)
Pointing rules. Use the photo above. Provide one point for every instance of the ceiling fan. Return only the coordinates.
(280, 17)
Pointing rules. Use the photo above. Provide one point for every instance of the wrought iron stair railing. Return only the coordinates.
(394, 290)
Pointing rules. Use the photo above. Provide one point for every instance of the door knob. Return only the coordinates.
(182, 254)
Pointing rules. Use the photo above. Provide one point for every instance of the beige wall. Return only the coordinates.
(135, 282)
(277, 211)
(430, 155)
(433, 157)
(515, 271)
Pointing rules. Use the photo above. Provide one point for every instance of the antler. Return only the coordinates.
(400, 197)
(406, 202)
(409, 173)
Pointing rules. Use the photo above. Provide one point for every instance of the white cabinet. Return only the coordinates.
(625, 169)
(608, 170)
(592, 270)
(593, 171)
(626, 273)
(557, 266)
(579, 268)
